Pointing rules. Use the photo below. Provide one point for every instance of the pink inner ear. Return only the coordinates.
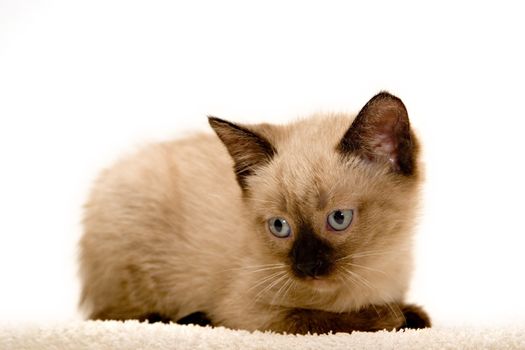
(383, 145)
(381, 132)
(383, 136)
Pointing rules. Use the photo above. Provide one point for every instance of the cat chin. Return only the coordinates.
(323, 284)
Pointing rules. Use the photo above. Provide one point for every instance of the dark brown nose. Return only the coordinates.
(310, 255)
(313, 269)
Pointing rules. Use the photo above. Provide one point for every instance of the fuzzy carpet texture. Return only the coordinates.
(134, 335)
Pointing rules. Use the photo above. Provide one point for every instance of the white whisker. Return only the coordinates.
(257, 268)
(359, 278)
(276, 296)
(267, 278)
(366, 268)
(270, 286)
(288, 289)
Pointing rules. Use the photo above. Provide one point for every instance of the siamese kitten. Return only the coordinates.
(299, 228)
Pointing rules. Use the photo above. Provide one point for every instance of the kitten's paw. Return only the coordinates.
(415, 317)
(154, 318)
(197, 318)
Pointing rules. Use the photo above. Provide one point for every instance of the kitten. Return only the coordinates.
(298, 228)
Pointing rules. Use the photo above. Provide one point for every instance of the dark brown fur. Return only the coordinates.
(247, 148)
(385, 115)
(369, 319)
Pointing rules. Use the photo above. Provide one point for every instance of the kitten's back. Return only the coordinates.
(150, 223)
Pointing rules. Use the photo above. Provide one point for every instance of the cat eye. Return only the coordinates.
(339, 220)
(279, 227)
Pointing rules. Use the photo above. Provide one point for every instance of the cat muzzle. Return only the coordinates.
(313, 269)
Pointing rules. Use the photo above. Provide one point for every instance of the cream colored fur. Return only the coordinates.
(167, 229)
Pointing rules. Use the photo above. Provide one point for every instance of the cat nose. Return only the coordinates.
(313, 269)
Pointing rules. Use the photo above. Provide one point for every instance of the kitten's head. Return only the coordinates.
(331, 197)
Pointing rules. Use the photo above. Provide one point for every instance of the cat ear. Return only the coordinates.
(381, 132)
(248, 149)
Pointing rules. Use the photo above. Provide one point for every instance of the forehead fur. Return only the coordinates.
(308, 174)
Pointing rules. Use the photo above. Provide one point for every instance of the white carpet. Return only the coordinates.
(135, 335)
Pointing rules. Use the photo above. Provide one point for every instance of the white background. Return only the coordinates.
(84, 81)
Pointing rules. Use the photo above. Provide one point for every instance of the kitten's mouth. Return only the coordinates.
(321, 283)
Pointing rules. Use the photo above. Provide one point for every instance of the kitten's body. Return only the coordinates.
(171, 231)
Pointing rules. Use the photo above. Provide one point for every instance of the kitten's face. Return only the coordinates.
(331, 199)
(332, 217)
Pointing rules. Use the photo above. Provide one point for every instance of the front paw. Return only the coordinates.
(196, 318)
(415, 317)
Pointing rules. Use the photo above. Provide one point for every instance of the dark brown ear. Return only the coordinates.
(381, 132)
(248, 149)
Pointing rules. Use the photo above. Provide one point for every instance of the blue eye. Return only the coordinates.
(279, 227)
(339, 220)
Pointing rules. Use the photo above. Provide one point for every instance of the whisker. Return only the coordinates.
(363, 254)
(359, 278)
(350, 278)
(270, 286)
(257, 268)
(391, 305)
(288, 289)
(266, 279)
(376, 310)
(366, 268)
(280, 290)
(268, 268)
